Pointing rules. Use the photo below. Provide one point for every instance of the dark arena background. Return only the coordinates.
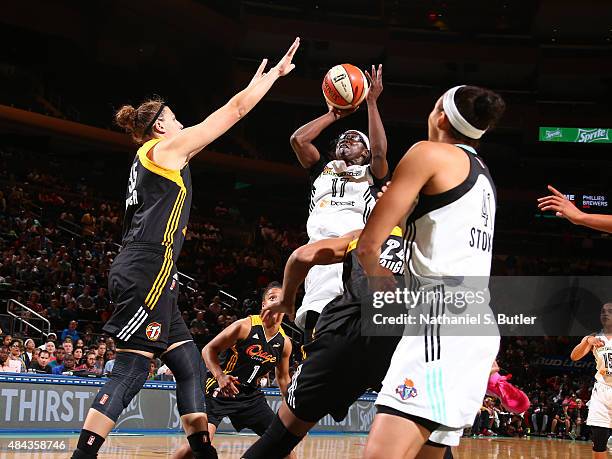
(67, 67)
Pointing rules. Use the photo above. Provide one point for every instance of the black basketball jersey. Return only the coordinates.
(355, 280)
(251, 358)
(157, 203)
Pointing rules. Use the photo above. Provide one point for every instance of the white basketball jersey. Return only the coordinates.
(451, 233)
(603, 360)
(341, 199)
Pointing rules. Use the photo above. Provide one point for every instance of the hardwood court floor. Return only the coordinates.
(314, 447)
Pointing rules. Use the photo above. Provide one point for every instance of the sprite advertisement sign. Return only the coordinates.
(575, 135)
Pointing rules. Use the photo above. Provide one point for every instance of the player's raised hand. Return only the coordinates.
(376, 84)
(285, 65)
(595, 341)
(341, 113)
(559, 204)
(259, 74)
(227, 385)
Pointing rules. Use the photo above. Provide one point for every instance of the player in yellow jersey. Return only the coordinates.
(250, 349)
(143, 281)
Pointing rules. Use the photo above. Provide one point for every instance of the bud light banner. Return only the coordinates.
(575, 135)
(563, 364)
(60, 403)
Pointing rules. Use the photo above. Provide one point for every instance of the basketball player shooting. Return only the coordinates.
(600, 405)
(343, 191)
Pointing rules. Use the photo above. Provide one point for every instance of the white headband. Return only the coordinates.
(364, 137)
(456, 119)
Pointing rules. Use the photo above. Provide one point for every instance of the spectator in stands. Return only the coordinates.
(85, 303)
(539, 418)
(90, 364)
(110, 344)
(109, 365)
(54, 313)
(199, 304)
(152, 369)
(561, 417)
(50, 348)
(198, 325)
(78, 356)
(70, 313)
(6, 364)
(15, 355)
(59, 357)
(79, 343)
(578, 415)
(34, 302)
(28, 355)
(67, 345)
(101, 300)
(41, 364)
(7, 340)
(110, 362)
(68, 365)
(71, 291)
(71, 331)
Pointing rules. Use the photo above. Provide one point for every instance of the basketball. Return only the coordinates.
(345, 86)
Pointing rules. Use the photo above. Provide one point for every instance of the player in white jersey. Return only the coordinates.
(600, 405)
(343, 191)
(436, 382)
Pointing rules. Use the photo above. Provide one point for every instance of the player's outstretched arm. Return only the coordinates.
(323, 252)
(376, 130)
(239, 330)
(412, 173)
(282, 369)
(301, 140)
(585, 346)
(192, 140)
(563, 207)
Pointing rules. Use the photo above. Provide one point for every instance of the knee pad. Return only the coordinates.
(128, 376)
(276, 442)
(600, 438)
(189, 371)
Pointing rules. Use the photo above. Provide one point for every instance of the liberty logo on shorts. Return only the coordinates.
(153, 331)
(104, 399)
(91, 440)
(406, 390)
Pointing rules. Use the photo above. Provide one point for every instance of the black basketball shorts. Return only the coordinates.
(340, 366)
(248, 412)
(143, 284)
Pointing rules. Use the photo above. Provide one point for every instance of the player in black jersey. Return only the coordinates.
(143, 278)
(251, 349)
(341, 363)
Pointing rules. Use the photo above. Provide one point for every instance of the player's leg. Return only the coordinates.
(130, 271)
(393, 435)
(322, 384)
(600, 436)
(128, 376)
(187, 366)
(435, 451)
